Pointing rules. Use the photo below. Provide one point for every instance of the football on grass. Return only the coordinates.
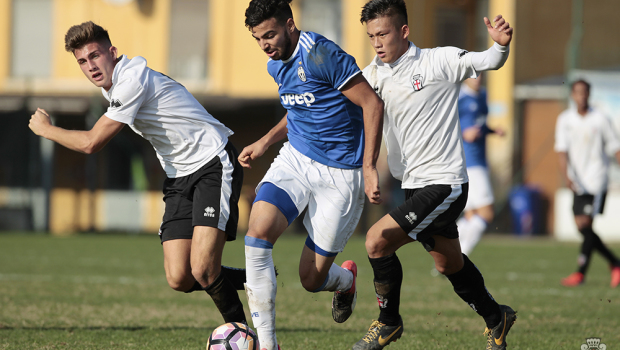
(233, 336)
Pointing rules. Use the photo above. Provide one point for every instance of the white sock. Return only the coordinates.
(338, 279)
(462, 224)
(471, 235)
(261, 290)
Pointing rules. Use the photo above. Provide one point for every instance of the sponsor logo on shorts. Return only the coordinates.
(299, 99)
(254, 314)
(411, 217)
(210, 212)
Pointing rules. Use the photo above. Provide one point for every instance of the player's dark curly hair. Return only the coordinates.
(85, 33)
(580, 81)
(380, 8)
(261, 10)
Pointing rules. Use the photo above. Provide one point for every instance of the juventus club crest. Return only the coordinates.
(418, 82)
(301, 73)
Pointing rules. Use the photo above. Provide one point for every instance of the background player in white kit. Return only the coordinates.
(420, 89)
(204, 177)
(473, 110)
(326, 166)
(583, 138)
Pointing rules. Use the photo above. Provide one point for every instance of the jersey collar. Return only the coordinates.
(122, 62)
(412, 52)
(294, 52)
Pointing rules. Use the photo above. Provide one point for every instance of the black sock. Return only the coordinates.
(195, 287)
(388, 278)
(469, 285)
(602, 248)
(226, 299)
(236, 276)
(586, 249)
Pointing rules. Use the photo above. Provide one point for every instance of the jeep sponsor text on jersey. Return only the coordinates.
(300, 99)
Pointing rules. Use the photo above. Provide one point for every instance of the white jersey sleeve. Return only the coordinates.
(491, 59)
(612, 144)
(452, 64)
(562, 141)
(126, 100)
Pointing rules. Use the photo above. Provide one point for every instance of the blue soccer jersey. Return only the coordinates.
(322, 123)
(473, 111)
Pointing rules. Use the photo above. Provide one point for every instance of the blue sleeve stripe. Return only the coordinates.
(310, 244)
(273, 194)
(257, 243)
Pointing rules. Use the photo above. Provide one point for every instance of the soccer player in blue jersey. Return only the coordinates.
(333, 125)
(473, 112)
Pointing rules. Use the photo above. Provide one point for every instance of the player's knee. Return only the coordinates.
(204, 275)
(583, 222)
(260, 234)
(442, 269)
(179, 281)
(449, 267)
(374, 245)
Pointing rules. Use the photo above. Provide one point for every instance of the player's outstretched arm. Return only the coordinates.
(259, 147)
(359, 92)
(87, 142)
(495, 57)
(500, 31)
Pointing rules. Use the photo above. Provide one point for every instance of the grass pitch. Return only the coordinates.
(110, 292)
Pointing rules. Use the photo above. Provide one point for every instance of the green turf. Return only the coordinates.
(109, 292)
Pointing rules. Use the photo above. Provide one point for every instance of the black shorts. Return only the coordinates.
(208, 197)
(431, 210)
(588, 204)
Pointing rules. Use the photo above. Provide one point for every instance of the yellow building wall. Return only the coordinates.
(500, 86)
(133, 32)
(5, 39)
(355, 39)
(237, 66)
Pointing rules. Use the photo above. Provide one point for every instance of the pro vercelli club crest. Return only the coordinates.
(301, 73)
(418, 82)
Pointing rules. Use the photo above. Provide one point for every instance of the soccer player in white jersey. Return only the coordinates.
(333, 127)
(420, 89)
(204, 178)
(583, 139)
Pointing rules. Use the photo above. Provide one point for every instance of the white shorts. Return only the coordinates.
(334, 197)
(480, 190)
